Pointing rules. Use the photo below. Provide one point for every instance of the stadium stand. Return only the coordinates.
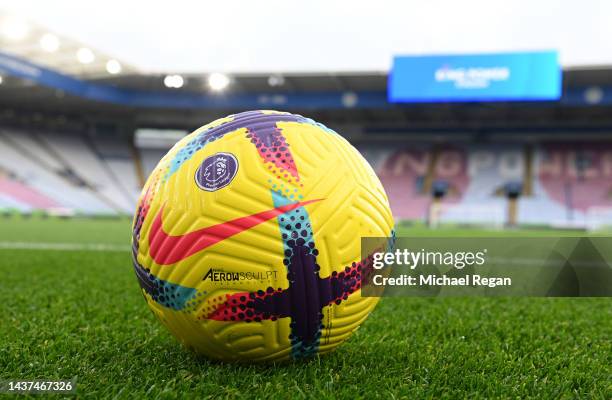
(481, 180)
(571, 180)
(25, 196)
(78, 154)
(564, 183)
(9, 203)
(24, 166)
(115, 153)
(473, 177)
(150, 158)
(556, 192)
(403, 173)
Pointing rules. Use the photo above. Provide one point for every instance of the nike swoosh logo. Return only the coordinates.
(166, 249)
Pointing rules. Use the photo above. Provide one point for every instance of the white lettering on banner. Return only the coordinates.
(472, 78)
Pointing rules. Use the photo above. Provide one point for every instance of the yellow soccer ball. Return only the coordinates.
(246, 240)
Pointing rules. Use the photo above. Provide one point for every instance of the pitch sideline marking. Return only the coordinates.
(63, 246)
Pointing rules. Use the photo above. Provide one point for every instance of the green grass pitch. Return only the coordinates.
(79, 313)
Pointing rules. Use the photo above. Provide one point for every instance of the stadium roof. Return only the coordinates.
(42, 70)
(44, 47)
(24, 102)
(26, 81)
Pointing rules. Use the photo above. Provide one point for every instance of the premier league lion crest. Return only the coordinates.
(216, 171)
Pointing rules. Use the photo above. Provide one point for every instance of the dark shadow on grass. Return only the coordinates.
(250, 365)
(199, 363)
